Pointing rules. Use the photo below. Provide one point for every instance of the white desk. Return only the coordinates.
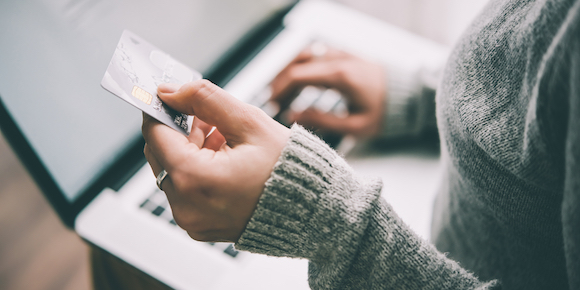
(410, 174)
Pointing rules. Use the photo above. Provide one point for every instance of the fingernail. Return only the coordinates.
(167, 88)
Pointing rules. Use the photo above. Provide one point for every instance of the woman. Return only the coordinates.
(508, 211)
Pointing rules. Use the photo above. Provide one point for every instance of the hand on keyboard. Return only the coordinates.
(311, 73)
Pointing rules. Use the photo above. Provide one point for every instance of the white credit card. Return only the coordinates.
(135, 71)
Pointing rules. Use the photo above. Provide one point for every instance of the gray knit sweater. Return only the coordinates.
(508, 211)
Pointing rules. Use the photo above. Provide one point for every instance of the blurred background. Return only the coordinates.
(38, 252)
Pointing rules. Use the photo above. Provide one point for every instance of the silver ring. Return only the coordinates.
(160, 177)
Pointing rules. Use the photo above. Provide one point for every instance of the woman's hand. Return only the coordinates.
(214, 182)
(361, 82)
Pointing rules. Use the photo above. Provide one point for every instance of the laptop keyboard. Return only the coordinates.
(322, 99)
(157, 205)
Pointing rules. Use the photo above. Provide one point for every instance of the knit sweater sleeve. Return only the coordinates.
(315, 207)
(409, 102)
(571, 199)
(568, 48)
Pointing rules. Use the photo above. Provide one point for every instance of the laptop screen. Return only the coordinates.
(54, 54)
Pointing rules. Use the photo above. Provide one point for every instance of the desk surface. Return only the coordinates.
(410, 172)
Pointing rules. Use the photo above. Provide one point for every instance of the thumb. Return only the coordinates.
(210, 103)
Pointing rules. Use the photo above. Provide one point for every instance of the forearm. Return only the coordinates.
(391, 256)
(315, 207)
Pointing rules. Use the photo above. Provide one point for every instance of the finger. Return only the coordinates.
(304, 55)
(319, 51)
(168, 146)
(279, 84)
(308, 54)
(326, 73)
(199, 132)
(357, 124)
(156, 167)
(200, 129)
(205, 127)
(214, 106)
(153, 163)
(327, 54)
(215, 141)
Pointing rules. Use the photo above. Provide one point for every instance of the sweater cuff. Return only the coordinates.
(301, 208)
(403, 93)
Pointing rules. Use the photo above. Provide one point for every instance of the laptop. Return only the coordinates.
(83, 146)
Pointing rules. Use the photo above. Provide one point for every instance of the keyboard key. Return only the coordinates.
(231, 251)
(158, 211)
(144, 203)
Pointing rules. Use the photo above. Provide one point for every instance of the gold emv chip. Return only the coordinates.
(142, 95)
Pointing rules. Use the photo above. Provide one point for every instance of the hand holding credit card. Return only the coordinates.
(137, 69)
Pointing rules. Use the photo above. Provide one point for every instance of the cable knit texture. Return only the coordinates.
(410, 103)
(315, 207)
(508, 210)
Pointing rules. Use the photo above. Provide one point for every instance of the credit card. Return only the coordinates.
(136, 70)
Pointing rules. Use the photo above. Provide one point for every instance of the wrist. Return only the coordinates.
(299, 214)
